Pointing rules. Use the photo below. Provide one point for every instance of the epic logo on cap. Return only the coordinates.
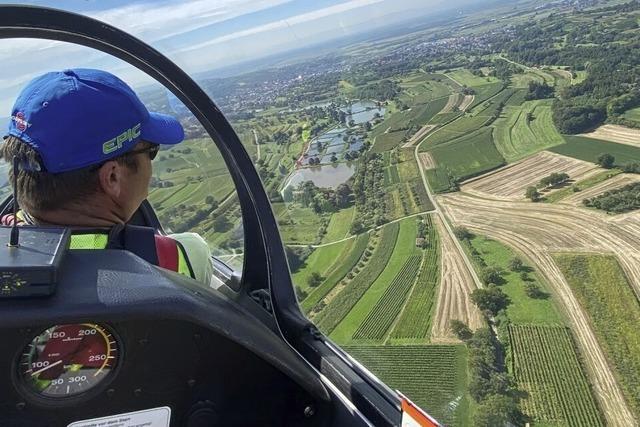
(21, 123)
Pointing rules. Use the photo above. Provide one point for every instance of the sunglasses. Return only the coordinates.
(151, 150)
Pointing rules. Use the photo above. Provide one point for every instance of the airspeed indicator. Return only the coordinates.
(68, 360)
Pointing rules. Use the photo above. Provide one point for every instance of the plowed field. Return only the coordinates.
(616, 133)
(511, 182)
(454, 295)
(427, 160)
(468, 100)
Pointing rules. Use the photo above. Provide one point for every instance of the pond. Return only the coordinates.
(327, 176)
(363, 111)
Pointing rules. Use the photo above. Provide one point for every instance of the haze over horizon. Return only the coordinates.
(229, 31)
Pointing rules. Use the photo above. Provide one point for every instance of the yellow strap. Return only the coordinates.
(183, 266)
(88, 241)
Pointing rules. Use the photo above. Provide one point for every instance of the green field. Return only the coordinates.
(320, 261)
(467, 156)
(546, 366)
(339, 266)
(388, 141)
(297, 224)
(375, 326)
(465, 77)
(516, 138)
(401, 125)
(456, 129)
(633, 115)
(440, 180)
(334, 313)
(589, 149)
(485, 92)
(339, 225)
(414, 322)
(402, 246)
(604, 292)
(523, 309)
(433, 376)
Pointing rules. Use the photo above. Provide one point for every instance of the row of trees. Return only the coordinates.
(620, 200)
(489, 385)
(369, 193)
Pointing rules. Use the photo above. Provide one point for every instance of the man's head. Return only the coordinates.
(83, 136)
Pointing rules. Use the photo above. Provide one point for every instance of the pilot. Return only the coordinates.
(85, 142)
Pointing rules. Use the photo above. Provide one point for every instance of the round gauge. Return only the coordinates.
(67, 360)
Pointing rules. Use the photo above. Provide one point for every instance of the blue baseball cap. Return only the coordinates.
(81, 117)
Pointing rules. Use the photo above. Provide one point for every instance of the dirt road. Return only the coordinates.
(537, 230)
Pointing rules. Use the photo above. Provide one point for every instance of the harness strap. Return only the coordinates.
(167, 252)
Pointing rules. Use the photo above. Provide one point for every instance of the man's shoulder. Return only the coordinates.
(198, 253)
(191, 241)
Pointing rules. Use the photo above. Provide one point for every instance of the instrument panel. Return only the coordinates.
(62, 374)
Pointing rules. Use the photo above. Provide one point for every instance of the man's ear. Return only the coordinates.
(110, 177)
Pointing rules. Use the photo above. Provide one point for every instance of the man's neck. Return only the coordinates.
(80, 215)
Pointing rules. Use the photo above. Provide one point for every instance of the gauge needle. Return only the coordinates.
(46, 367)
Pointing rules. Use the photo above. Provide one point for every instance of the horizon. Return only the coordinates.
(233, 32)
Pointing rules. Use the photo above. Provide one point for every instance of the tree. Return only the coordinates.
(497, 410)
(490, 299)
(462, 233)
(533, 291)
(220, 223)
(356, 227)
(515, 264)
(538, 91)
(491, 275)
(606, 160)
(460, 330)
(300, 293)
(315, 279)
(532, 194)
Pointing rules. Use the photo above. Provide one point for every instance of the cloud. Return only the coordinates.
(152, 21)
(285, 23)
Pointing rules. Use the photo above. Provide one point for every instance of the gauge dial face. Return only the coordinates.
(68, 360)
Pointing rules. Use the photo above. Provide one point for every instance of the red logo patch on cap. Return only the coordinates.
(21, 123)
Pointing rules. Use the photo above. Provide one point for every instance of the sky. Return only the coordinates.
(201, 35)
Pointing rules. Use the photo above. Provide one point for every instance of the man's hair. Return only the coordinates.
(41, 191)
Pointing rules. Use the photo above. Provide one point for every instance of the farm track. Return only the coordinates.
(616, 133)
(537, 231)
(608, 185)
(511, 182)
(454, 295)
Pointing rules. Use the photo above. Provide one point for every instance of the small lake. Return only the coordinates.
(327, 176)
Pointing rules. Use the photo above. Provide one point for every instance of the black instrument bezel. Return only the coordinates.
(33, 398)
